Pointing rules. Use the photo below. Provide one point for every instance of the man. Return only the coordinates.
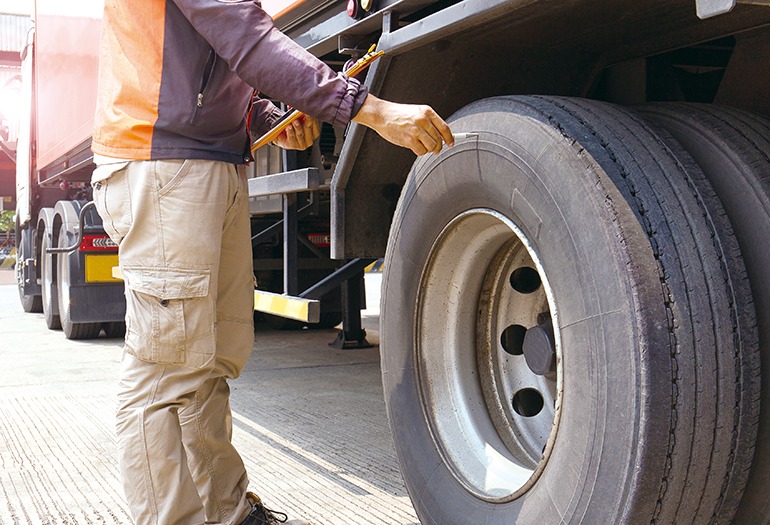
(176, 78)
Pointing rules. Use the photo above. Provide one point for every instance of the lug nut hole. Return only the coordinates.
(525, 280)
(527, 402)
(512, 339)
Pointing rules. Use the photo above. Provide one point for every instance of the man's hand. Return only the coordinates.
(415, 127)
(300, 134)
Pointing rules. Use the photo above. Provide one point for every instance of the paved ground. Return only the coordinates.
(309, 421)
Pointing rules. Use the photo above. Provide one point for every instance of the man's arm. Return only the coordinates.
(415, 127)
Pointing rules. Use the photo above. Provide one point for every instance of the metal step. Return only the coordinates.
(305, 179)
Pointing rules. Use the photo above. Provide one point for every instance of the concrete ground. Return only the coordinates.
(309, 421)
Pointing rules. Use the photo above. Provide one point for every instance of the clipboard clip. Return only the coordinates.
(284, 122)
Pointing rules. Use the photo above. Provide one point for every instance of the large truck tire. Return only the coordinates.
(72, 330)
(733, 149)
(50, 297)
(567, 331)
(30, 303)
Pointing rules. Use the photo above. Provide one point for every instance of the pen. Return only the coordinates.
(464, 136)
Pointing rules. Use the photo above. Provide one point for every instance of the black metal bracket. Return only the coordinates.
(352, 335)
(351, 280)
(347, 272)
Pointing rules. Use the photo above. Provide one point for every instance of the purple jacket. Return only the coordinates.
(176, 78)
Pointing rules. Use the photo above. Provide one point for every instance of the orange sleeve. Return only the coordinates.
(130, 70)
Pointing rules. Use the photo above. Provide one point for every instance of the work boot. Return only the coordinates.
(261, 515)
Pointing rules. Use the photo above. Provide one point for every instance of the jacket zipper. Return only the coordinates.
(208, 72)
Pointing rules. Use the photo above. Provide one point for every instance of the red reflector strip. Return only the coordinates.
(322, 240)
(98, 243)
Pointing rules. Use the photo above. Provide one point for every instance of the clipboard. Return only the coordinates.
(290, 116)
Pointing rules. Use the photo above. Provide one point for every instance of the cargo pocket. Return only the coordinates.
(111, 198)
(170, 316)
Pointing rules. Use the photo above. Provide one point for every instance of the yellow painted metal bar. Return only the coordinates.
(308, 310)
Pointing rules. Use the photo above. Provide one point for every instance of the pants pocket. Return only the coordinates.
(169, 174)
(111, 198)
(170, 316)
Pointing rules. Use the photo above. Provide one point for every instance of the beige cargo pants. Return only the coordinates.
(185, 254)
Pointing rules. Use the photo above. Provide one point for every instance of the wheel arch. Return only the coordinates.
(371, 172)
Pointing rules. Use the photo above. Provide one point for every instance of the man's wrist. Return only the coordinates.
(370, 111)
(359, 99)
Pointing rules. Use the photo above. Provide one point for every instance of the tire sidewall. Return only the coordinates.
(573, 218)
(62, 272)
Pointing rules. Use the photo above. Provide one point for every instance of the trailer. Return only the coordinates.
(67, 259)
(64, 258)
(575, 316)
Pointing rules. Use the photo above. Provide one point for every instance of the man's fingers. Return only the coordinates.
(310, 125)
(419, 149)
(311, 131)
(300, 134)
(437, 131)
(445, 133)
(297, 131)
(429, 142)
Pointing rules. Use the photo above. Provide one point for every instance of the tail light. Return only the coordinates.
(320, 240)
(97, 243)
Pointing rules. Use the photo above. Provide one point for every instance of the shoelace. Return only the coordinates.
(269, 517)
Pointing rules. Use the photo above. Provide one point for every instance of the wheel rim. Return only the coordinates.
(492, 418)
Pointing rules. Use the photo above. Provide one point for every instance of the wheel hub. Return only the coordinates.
(488, 356)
